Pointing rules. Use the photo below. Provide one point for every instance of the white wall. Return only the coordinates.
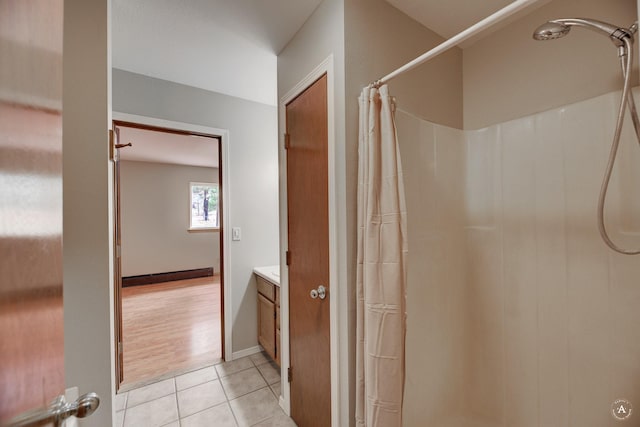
(155, 220)
(253, 172)
(509, 272)
(87, 204)
(437, 305)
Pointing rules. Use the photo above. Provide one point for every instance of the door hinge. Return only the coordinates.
(112, 145)
(289, 374)
(288, 257)
(287, 141)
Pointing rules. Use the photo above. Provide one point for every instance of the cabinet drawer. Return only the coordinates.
(266, 288)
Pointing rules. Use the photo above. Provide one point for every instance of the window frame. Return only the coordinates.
(196, 228)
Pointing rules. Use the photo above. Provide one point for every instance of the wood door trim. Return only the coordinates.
(117, 268)
(339, 298)
(222, 164)
(223, 171)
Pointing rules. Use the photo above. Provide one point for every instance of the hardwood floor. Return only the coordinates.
(170, 328)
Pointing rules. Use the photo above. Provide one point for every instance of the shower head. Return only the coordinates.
(551, 30)
(560, 27)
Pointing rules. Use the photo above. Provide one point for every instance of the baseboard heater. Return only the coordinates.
(148, 279)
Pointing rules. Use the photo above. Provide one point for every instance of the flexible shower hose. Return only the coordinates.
(626, 61)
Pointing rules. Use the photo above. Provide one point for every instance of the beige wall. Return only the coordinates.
(509, 75)
(155, 220)
(548, 312)
(378, 39)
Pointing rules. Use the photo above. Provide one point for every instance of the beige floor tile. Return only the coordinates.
(260, 358)
(119, 420)
(270, 372)
(228, 368)
(155, 413)
(200, 397)
(277, 389)
(120, 401)
(280, 420)
(200, 376)
(172, 424)
(255, 407)
(243, 382)
(219, 416)
(150, 392)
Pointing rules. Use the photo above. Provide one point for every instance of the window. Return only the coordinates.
(203, 206)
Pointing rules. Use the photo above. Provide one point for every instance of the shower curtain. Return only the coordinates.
(381, 271)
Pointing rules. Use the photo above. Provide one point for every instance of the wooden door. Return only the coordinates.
(308, 213)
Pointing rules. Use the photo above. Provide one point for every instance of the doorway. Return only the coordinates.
(169, 253)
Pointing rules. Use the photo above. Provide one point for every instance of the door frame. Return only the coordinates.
(225, 254)
(338, 295)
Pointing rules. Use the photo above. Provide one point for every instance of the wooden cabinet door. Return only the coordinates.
(266, 325)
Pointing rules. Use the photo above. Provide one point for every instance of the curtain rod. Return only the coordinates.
(476, 28)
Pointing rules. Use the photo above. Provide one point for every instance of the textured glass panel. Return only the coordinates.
(31, 314)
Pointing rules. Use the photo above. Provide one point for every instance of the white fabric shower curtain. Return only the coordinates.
(381, 272)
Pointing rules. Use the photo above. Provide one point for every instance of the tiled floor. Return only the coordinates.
(240, 393)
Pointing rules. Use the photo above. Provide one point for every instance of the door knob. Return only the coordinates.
(321, 292)
(58, 411)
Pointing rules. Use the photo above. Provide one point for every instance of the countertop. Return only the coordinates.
(270, 273)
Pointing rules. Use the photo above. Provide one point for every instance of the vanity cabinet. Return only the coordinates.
(269, 317)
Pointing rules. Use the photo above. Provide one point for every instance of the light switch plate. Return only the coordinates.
(236, 234)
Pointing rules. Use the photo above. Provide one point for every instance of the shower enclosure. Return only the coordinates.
(518, 313)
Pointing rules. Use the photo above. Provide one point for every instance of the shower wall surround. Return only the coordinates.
(518, 314)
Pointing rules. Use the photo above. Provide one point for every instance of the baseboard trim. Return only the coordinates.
(246, 352)
(148, 279)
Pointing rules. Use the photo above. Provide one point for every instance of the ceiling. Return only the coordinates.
(225, 46)
(448, 18)
(231, 46)
(162, 147)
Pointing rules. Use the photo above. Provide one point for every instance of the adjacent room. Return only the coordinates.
(169, 232)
